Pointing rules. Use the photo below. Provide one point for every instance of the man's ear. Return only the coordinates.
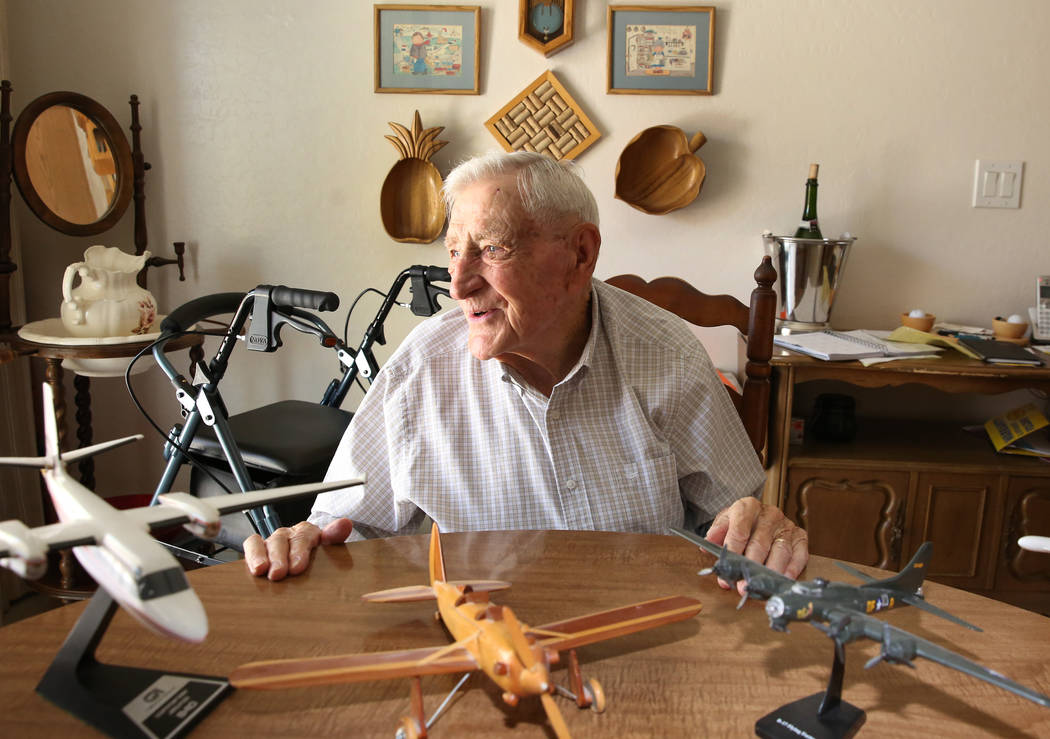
(586, 243)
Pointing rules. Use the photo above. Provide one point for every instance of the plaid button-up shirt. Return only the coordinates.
(639, 436)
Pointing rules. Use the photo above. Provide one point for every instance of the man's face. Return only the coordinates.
(517, 283)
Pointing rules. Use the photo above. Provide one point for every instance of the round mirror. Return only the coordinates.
(72, 163)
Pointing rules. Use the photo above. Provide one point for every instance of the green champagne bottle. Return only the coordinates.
(809, 227)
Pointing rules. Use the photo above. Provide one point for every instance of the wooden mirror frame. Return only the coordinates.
(121, 153)
(134, 184)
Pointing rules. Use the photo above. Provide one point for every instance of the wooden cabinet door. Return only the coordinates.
(850, 514)
(1027, 512)
(960, 514)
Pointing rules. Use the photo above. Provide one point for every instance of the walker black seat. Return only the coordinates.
(285, 443)
(292, 438)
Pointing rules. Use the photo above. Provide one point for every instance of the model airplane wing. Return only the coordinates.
(352, 668)
(411, 593)
(72, 456)
(901, 647)
(595, 627)
(17, 539)
(23, 549)
(179, 508)
(762, 581)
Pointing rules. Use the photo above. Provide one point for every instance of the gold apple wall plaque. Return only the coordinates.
(660, 171)
(543, 117)
(546, 25)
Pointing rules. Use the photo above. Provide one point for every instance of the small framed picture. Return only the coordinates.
(427, 48)
(661, 49)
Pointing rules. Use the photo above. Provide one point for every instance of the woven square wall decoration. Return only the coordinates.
(543, 117)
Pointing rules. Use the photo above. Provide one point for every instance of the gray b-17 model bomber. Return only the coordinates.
(841, 611)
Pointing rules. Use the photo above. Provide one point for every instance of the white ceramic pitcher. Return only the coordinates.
(108, 301)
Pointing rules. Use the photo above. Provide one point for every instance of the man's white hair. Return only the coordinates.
(549, 190)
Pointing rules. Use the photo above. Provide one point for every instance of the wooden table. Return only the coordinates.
(713, 675)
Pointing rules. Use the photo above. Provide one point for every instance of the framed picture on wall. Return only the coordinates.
(427, 48)
(661, 49)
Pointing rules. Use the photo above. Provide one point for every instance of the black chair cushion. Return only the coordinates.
(289, 437)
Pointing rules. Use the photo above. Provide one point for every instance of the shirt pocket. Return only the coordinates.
(649, 500)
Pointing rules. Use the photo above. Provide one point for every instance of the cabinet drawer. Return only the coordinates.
(960, 514)
(1027, 512)
(849, 514)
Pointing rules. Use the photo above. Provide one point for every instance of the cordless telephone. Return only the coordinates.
(1040, 314)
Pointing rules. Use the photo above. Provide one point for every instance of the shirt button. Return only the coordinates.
(570, 484)
(554, 415)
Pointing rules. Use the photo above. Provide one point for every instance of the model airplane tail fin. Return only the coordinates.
(425, 592)
(51, 462)
(437, 574)
(90, 451)
(910, 578)
(437, 562)
(406, 594)
(51, 450)
(53, 457)
(922, 605)
(855, 572)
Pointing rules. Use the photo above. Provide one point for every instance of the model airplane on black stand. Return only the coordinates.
(841, 611)
(133, 570)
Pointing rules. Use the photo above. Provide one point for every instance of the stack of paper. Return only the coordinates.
(846, 345)
(915, 336)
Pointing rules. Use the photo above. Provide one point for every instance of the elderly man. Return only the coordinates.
(577, 406)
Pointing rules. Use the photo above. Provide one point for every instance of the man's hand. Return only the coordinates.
(762, 533)
(287, 550)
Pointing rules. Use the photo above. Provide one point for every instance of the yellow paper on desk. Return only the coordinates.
(1008, 432)
(909, 335)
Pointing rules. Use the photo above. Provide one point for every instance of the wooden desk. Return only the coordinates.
(713, 675)
(903, 481)
(952, 373)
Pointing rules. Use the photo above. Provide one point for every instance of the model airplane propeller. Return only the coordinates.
(841, 611)
(115, 546)
(487, 637)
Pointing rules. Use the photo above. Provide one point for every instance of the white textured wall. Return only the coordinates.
(268, 154)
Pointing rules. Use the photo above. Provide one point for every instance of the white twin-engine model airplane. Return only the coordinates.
(115, 546)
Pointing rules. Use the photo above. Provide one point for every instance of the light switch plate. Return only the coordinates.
(997, 184)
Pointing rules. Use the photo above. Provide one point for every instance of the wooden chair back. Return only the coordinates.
(755, 322)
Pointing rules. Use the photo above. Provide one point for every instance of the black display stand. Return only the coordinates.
(124, 701)
(821, 715)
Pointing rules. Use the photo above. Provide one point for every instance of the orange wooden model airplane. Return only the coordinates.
(488, 637)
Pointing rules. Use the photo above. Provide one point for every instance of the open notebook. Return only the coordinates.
(845, 345)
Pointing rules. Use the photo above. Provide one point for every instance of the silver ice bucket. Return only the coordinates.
(808, 274)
